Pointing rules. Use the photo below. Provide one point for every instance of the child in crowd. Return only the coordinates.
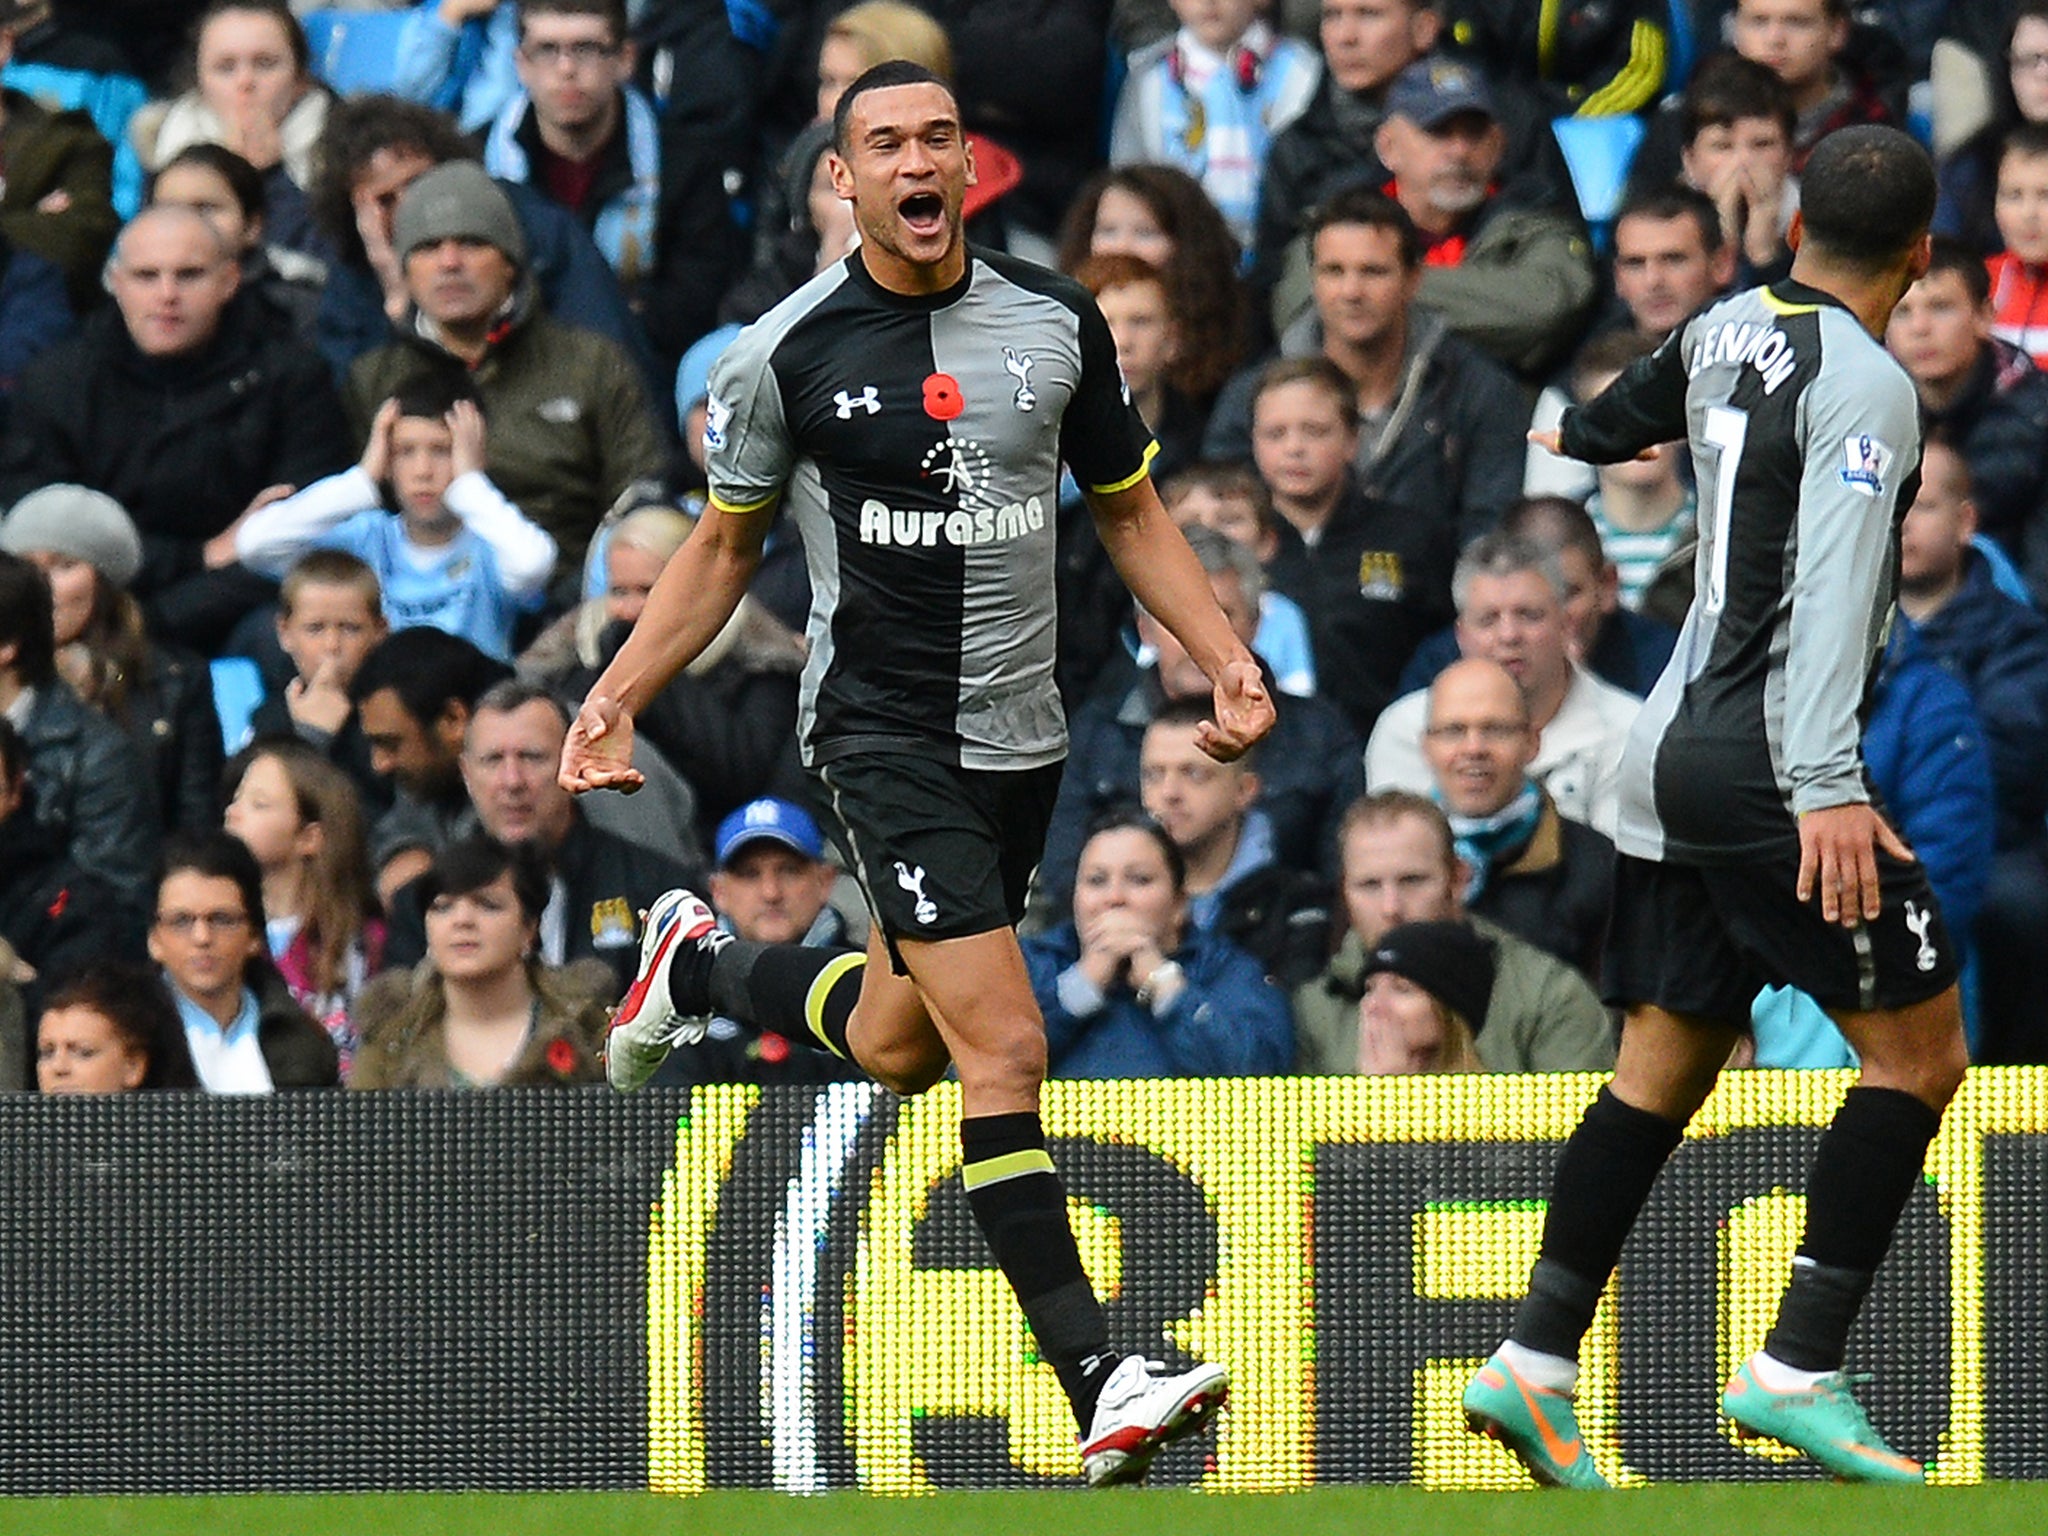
(1229, 499)
(1642, 507)
(299, 816)
(1211, 98)
(330, 615)
(1135, 299)
(1738, 123)
(455, 554)
(2019, 274)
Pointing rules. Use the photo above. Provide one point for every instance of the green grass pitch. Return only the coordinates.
(1720, 1510)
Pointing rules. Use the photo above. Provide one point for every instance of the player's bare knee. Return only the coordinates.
(1012, 1065)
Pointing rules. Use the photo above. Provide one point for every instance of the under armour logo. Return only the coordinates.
(845, 404)
(926, 910)
(1918, 921)
(1018, 366)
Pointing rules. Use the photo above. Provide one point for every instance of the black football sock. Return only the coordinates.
(1864, 1170)
(1602, 1181)
(1021, 1206)
(805, 994)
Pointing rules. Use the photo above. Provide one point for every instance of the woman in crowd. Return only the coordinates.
(87, 546)
(112, 1029)
(245, 1033)
(1130, 988)
(1427, 986)
(228, 192)
(254, 92)
(299, 816)
(482, 1011)
(1163, 217)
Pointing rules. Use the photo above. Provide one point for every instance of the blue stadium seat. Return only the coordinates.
(1598, 151)
(237, 692)
(355, 50)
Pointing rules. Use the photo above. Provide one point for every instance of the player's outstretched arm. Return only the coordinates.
(1838, 857)
(690, 603)
(1163, 574)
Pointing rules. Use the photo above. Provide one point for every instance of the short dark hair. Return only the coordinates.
(883, 76)
(26, 620)
(2027, 140)
(1189, 712)
(611, 12)
(1676, 202)
(1867, 194)
(1374, 209)
(220, 856)
(1224, 479)
(136, 1001)
(1609, 353)
(514, 693)
(432, 393)
(1953, 255)
(1728, 87)
(428, 669)
(1310, 370)
(243, 180)
(1132, 817)
(471, 863)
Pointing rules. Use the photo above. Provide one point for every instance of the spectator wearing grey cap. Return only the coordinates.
(1509, 274)
(571, 430)
(87, 548)
(183, 404)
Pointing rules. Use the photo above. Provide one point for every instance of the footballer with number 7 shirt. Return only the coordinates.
(1752, 849)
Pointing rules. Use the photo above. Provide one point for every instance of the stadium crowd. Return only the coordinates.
(352, 388)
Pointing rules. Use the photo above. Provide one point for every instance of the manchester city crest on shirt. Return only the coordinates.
(1380, 576)
(611, 923)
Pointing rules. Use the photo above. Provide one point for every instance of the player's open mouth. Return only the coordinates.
(923, 212)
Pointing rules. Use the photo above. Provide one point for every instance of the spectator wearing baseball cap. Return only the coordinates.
(1509, 272)
(773, 885)
(570, 429)
(88, 549)
(1427, 988)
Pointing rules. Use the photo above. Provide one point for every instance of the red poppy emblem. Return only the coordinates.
(561, 1057)
(774, 1049)
(942, 401)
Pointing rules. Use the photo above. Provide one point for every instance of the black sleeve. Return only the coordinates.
(1103, 439)
(1642, 408)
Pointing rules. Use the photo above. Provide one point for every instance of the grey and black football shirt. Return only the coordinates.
(1805, 438)
(918, 442)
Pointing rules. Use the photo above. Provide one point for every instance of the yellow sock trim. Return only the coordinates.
(1011, 1165)
(821, 988)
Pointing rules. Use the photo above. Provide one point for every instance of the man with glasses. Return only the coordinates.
(653, 190)
(1510, 593)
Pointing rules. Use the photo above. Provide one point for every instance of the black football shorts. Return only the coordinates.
(941, 852)
(1705, 939)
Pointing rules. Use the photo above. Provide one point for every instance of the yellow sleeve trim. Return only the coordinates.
(1779, 306)
(1637, 82)
(742, 509)
(1144, 469)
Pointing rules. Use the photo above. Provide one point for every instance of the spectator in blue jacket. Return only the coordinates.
(1130, 988)
(457, 55)
(1951, 612)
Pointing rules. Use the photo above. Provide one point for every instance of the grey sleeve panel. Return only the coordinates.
(1859, 429)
